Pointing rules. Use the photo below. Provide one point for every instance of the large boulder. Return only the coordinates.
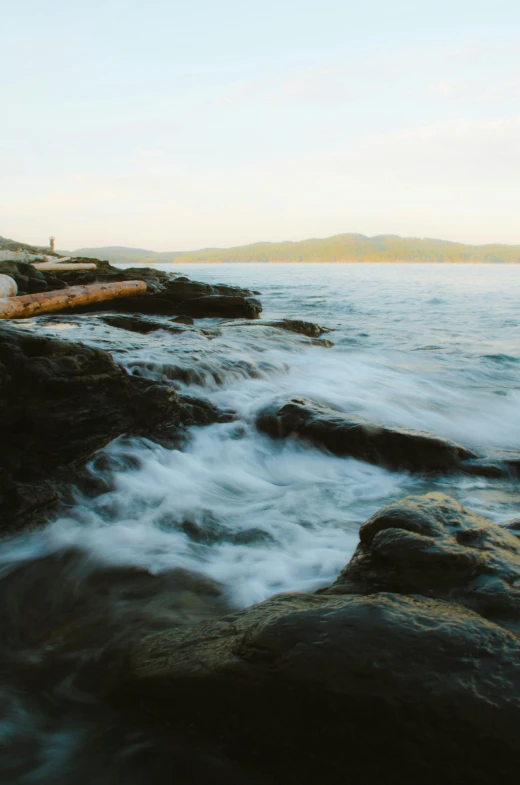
(348, 435)
(432, 546)
(391, 675)
(59, 403)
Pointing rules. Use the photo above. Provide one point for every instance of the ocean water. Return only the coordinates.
(432, 347)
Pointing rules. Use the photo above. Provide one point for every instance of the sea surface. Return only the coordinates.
(431, 347)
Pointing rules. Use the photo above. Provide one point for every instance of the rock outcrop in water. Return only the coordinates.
(405, 670)
(143, 325)
(345, 435)
(432, 546)
(227, 307)
(309, 329)
(296, 326)
(166, 295)
(59, 403)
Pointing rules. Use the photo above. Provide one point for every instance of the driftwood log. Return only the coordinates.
(61, 266)
(46, 302)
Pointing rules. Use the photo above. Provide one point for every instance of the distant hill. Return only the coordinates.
(14, 245)
(114, 253)
(340, 248)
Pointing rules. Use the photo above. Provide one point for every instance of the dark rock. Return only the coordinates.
(211, 531)
(185, 289)
(513, 526)
(60, 402)
(222, 306)
(302, 328)
(344, 435)
(307, 329)
(432, 546)
(138, 324)
(232, 291)
(67, 623)
(361, 677)
(28, 279)
(149, 304)
(70, 585)
(184, 320)
(180, 290)
(323, 342)
(498, 463)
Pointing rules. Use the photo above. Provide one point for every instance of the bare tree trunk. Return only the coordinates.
(46, 302)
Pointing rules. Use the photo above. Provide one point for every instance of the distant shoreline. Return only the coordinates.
(327, 261)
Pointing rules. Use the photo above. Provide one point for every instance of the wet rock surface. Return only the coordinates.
(141, 325)
(67, 621)
(59, 403)
(226, 307)
(96, 598)
(344, 435)
(309, 329)
(391, 674)
(498, 463)
(432, 546)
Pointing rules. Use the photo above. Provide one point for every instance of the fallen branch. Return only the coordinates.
(46, 302)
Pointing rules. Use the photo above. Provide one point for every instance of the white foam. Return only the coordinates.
(297, 511)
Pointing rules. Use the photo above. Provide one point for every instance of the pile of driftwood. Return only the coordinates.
(13, 306)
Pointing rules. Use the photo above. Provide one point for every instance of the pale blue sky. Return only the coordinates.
(171, 126)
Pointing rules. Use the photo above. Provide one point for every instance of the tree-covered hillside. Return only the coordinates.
(340, 248)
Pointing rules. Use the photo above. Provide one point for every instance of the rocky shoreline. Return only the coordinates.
(62, 401)
(403, 670)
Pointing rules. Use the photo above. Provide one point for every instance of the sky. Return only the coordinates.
(171, 125)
